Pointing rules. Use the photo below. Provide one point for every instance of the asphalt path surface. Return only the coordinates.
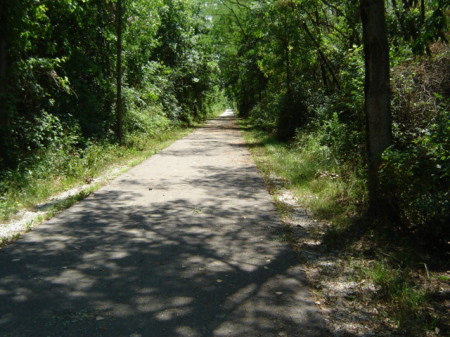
(188, 243)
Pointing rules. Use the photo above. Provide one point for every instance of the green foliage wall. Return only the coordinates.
(298, 66)
(62, 67)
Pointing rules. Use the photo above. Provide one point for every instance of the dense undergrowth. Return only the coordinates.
(327, 155)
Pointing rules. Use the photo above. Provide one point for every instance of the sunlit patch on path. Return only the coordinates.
(227, 113)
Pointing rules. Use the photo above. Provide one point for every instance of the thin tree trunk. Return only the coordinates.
(4, 113)
(287, 62)
(323, 72)
(422, 12)
(119, 104)
(377, 96)
(400, 20)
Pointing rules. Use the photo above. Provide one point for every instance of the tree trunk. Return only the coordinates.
(400, 20)
(119, 104)
(422, 12)
(377, 97)
(4, 113)
(287, 63)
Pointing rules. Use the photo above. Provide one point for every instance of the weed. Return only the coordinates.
(406, 301)
(4, 241)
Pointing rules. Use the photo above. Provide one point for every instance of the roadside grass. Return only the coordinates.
(56, 171)
(4, 241)
(406, 301)
(326, 188)
(48, 212)
(409, 296)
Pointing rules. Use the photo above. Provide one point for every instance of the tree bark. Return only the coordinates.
(422, 12)
(119, 104)
(400, 20)
(377, 97)
(4, 113)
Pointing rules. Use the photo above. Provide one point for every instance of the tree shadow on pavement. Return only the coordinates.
(109, 270)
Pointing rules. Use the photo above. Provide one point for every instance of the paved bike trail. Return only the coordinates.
(188, 243)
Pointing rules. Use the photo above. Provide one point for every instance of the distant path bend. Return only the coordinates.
(185, 244)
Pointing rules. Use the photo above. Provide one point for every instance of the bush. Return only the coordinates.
(264, 114)
(344, 142)
(416, 170)
(418, 92)
(417, 180)
(335, 129)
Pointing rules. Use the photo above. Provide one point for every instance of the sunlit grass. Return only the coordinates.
(330, 190)
(53, 173)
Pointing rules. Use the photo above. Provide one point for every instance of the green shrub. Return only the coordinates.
(343, 140)
(417, 180)
(264, 114)
(419, 88)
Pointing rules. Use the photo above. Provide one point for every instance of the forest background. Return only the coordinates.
(83, 82)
